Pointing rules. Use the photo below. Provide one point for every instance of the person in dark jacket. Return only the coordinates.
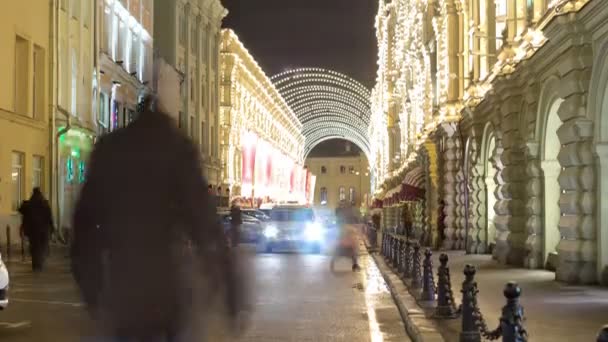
(145, 231)
(37, 225)
(236, 220)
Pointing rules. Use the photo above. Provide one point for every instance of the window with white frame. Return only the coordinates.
(323, 196)
(108, 29)
(38, 172)
(501, 21)
(342, 194)
(17, 179)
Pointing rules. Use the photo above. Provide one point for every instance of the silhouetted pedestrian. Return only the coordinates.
(142, 227)
(236, 220)
(37, 225)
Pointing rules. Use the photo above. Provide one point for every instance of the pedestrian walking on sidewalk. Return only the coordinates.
(148, 254)
(236, 220)
(346, 242)
(37, 225)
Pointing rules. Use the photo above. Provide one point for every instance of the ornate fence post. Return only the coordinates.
(602, 336)
(445, 297)
(511, 322)
(407, 271)
(416, 276)
(470, 331)
(428, 283)
(396, 252)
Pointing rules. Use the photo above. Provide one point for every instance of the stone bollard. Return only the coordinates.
(511, 321)
(428, 283)
(602, 336)
(407, 267)
(416, 274)
(470, 331)
(445, 298)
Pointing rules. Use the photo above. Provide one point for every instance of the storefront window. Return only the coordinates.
(342, 194)
(351, 195)
(323, 196)
(81, 172)
(17, 174)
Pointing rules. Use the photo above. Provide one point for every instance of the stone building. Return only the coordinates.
(501, 104)
(24, 106)
(341, 180)
(187, 37)
(254, 116)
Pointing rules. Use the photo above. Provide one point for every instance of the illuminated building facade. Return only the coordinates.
(24, 105)
(187, 36)
(75, 97)
(261, 138)
(497, 108)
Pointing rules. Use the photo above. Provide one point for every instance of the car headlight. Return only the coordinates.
(271, 232)
(313, 232)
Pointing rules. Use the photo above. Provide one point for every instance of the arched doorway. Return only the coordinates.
(490, 181)
(551, 169)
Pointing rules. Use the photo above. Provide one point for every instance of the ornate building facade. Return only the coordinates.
(256, 123)
(499, 107)
(187, 37)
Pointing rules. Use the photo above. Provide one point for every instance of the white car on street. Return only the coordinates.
(4, 280)
(292, 228)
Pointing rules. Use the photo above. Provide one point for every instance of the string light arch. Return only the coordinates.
(330, 105)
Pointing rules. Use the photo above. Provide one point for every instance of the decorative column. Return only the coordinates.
(453, 231)
(577, 250)
(431, 191)
(534, 208)
(477, 239)
(511, 210)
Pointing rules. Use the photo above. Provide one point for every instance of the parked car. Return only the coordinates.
(4, 281)
(258, 214)
(251, 229)
(292, 228)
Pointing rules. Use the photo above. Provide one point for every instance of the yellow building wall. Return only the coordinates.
(333, 179)
(21, 132)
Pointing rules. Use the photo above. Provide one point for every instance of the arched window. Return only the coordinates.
(342, 169)
(351, 195)
(323, 196)
(323, 170)
(342, 194)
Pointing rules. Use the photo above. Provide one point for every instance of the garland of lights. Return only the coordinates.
(328, 104)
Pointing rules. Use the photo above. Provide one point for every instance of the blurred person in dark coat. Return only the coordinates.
(236, 220)
(143, 225)
(37, 226)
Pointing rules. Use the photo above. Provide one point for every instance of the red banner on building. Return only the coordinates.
(249, 147)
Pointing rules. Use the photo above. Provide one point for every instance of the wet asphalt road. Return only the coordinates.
(297, 298)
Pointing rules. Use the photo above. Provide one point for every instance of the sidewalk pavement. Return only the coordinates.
(554, 311)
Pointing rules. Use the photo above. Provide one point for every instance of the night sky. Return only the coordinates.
(286, 34)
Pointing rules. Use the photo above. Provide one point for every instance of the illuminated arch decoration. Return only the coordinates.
(330, 105)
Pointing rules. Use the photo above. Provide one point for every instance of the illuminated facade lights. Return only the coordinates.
(329, 105)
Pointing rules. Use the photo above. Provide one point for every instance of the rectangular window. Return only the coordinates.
(191, 127)
(38, 172)
(108, 30)
(351, 170)
(104, 114)
(86, 12)
(21, 75)
(134, 52)
(193, 39)
(212, 152)
(342, 194)
(192, 89)
(182, 27)
(75, 9)
(351, 195)
(323, 196)
(121, 38)
(39, 82)
(17, 179)
(203, 141)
